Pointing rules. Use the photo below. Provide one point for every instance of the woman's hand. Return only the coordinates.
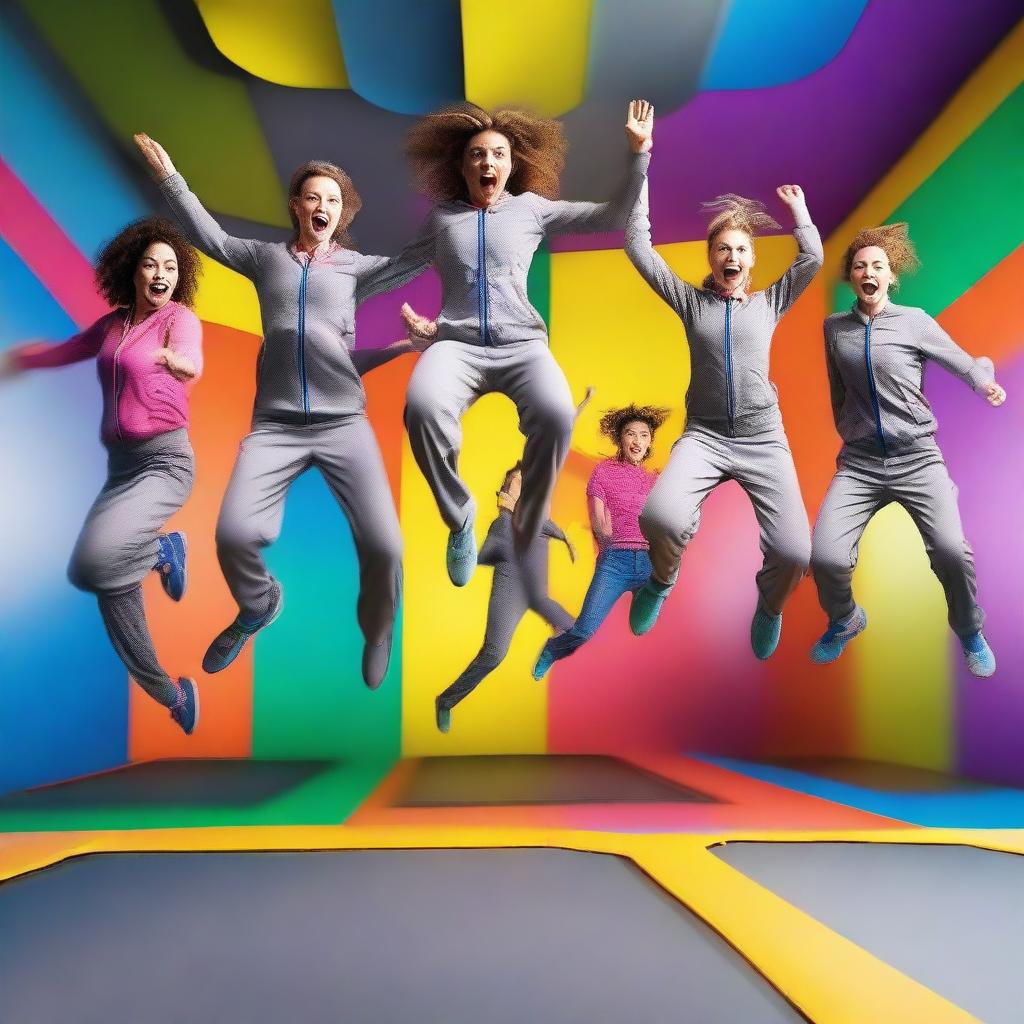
(640, 126)
(179, 367)
(160, 166)
(994, 394)
(421, 329)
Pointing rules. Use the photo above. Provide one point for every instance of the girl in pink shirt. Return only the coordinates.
(616, 493)
(148, 354)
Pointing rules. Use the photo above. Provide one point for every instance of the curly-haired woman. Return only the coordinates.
(148, 352)
(616, 492)
(876, 353)
(733, 422)
(310, 405)
(494, 178)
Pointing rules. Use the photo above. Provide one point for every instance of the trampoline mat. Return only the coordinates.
(880, 775)
(948, 916)
(410, 935)
(192, 783)
(502, 780)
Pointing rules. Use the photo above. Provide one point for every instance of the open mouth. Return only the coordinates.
(634, 450)
(869, 288)
(731, 273)
(488, 183)
(158, 288)
(320, 222)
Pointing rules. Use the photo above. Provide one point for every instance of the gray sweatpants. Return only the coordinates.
(763, 466)
(511, 598)
(919, 481)
(270, 458)
(147, 482)
(449, 377)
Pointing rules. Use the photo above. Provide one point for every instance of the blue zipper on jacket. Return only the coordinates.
(728, 366)
(481, 277)
(872, 389)
(302, 339)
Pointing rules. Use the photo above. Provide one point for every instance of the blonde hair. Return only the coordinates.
(893, 240)
(737, 213)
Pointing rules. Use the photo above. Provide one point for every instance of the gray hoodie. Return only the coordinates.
(730, 392)
(304, 373)
(875, 368)
(483, 257)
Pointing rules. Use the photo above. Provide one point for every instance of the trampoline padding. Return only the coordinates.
(951, 917)
(502, 780)
(377, 936)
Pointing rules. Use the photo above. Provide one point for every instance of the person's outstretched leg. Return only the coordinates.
(147, 483)
(670, 518)
(533, 573)
(448, 378)
(349, 458)
(930, 496)
(764, 468)
(505, 610)
(528, 373)
(269, 460)
(850, 502)
(613, 577)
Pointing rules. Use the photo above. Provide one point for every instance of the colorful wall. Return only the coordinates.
(882, 110)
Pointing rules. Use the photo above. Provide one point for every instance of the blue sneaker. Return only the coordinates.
(834, 640)
(376, 658)
(461, 554)
(544, 662)
(442, 716)
(186, 713)
(981, 661)
(645, 606)
(170, 563)
(765, 631)
(229, 642)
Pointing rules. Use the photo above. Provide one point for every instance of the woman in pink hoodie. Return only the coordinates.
(148, 353)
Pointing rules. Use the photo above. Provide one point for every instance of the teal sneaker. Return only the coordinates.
(461, 554)
(981, 661)
(543, 664)
(765, 631)
(645, 606)
(834, 640)
(228, 644)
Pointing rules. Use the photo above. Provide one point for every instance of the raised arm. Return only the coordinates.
(390, 272)
(937, 346)
(195, 221)
(562, 216)
(37, 355)
(810, 255)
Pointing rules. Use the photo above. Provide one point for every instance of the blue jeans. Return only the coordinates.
(618, 571)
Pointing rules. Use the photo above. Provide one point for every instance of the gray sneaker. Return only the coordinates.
(228, 644)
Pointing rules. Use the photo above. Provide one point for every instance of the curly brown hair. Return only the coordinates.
(736, 213)
(614, 421)
(893, 240)
(351, 201)
(119, 259)
(436, 144)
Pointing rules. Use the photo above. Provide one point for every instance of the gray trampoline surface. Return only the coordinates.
(951, 917)
(369, 936)
(524, 779)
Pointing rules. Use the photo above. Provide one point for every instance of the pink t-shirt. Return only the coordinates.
(623, 488)
(140, 396)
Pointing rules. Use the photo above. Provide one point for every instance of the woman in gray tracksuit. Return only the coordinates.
(876, 353)
(310, 403)
(733, 422)
(494, 178)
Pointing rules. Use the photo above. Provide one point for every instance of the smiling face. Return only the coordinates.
(870, 277)
(731, 255)
(635, 441)
(317, 208)
(155, 279)
(486, 166)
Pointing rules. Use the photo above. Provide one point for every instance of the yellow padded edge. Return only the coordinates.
(829, 978)
(225, 297)
(531, 54)
(288, 44)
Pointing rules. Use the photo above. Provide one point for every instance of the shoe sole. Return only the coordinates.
(273, 618)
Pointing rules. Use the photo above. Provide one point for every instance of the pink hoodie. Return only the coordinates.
(140, 396)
